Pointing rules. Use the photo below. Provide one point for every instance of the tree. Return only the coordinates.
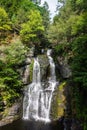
(11, 6)
(21, 14)
(46, 15)
(5, 24)
(13, 56)
(69, 32)
(4, 21)
(33, 28)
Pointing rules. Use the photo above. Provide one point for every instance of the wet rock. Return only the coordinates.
(28, 61)
(64, 67)
(25, 75)
(76, 125)
(24, 69)
(44, 67)
(67, 123)
(58, 102)
(59, 123)
(11, 114)
(31, 52)
(14, 110)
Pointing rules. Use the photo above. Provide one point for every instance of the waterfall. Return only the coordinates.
(32, 94)
(37, 99)
(36, 71)
(52, 66)
(52, 79)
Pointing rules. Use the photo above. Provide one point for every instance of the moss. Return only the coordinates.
(31, 71)
(62, 85)
(58, 104)
(5, 112)
(60, 112)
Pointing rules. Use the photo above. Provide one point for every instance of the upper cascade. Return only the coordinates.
(52, 66)
(36, 71)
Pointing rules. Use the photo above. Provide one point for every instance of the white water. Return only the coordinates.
(37, 99)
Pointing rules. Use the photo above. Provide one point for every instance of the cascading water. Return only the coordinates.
(37, 99)
(52, 78)
(31, 98)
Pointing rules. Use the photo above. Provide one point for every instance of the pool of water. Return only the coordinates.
(32, 125)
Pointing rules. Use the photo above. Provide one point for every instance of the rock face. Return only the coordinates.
(64, 67)
(25, 68)
(58, 102)
(44, 67)
(25, 77)
(12, 113)
(62, 96)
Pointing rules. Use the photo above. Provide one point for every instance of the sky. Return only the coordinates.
(52, 6)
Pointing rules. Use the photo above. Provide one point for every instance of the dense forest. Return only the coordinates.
(25, 24)
(68, 33)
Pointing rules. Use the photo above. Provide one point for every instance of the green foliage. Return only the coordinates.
(45, 13)
(78, 23)
(79, 63)
(22, 13)
(29, 19)
(5, 24)
(33, 28)
(12, 53)
(11, 59)
(11, 6)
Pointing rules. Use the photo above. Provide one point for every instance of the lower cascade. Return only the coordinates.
(37, 99)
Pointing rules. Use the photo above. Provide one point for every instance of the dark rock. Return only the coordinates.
(44, 67)
(58, 123)
(14, 110)
(67, 123)
(58, 101)
(64, 68)
(28, 61)
(24, 69)
(25, 75)
(12, 113)
(31, 52)
(0, 116)
(76, 125)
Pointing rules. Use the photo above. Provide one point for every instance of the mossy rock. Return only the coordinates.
(44, 67)
(31, 71)
(58, 102)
